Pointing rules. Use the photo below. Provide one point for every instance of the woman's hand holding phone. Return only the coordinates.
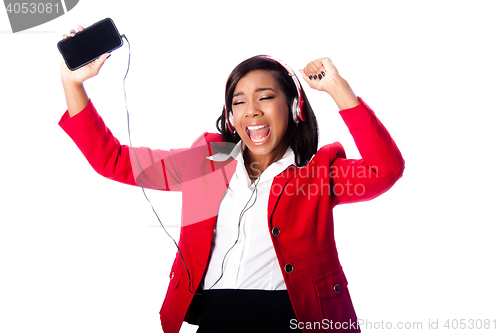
(75, 94)
(83, 73)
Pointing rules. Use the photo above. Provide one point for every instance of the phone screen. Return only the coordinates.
(88, 44)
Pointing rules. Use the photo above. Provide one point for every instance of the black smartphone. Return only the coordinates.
(90, 43)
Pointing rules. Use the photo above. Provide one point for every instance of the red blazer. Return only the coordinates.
(299, 210)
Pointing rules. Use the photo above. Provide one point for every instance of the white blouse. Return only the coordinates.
(252, 262)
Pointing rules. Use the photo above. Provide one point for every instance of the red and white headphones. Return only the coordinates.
(297, 104)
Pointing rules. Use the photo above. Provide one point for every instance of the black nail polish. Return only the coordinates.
(315, 76)
(320, 76)
(322, 72)
(310, 77)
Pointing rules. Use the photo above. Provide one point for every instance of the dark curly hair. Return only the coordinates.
(302, 137)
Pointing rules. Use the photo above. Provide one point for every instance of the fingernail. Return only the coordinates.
(320, 76)
(322, 72)
(315, 76)
(310, 77)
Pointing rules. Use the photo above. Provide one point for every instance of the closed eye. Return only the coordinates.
(260, 99)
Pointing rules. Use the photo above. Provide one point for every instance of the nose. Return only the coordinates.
(253, 109)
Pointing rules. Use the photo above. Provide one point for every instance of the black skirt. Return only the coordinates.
(242, 311)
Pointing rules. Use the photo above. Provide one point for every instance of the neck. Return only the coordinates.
(255, 165)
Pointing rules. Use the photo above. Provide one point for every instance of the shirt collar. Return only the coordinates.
(238, 150)
(273, 170)
(221, 157)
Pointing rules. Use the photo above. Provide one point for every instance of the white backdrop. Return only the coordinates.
(80, 253)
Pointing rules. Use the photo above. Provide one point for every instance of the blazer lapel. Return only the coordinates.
(277, 188)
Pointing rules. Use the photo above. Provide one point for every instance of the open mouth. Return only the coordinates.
(258, 134)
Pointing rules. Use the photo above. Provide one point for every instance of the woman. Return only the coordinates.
(256, 249)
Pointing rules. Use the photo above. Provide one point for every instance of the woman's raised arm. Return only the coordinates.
(156, 169)
(381, 164)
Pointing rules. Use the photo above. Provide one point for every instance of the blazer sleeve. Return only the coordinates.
(154, 169)
(381, 163)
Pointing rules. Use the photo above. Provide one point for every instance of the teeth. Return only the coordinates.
(253, 128)
(260, 140)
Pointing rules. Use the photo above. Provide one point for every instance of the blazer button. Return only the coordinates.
(336, 288)
(276, 231)
(172, 276)
(288, 268)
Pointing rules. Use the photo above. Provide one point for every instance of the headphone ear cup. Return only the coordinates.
(296, 110)
(302, 114)
(229, 120)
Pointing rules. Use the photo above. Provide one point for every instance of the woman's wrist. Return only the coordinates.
(76, 96)
(342, 93)
(70, 84)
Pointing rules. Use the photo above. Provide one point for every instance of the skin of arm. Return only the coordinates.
(342, 93)
(76, 97)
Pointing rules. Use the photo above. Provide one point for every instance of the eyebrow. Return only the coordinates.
(256, 90)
